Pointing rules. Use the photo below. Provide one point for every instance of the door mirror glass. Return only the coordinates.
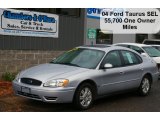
(108, 66)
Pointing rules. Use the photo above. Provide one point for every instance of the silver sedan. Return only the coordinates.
(86, 73)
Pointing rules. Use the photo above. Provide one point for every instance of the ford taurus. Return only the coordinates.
(85, 73)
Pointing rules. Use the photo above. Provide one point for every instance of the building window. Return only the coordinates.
(45, 10)
(103, 37)
(157, 36)
(61, 11)
(68, 11)
(140, 37)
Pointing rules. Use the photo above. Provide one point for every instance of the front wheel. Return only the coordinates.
(84, 96)
(145, 86)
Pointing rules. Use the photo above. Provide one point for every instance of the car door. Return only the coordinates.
(125, 73)
(132, 69)
(112, 77)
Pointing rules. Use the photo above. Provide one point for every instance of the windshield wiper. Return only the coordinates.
(71, 64)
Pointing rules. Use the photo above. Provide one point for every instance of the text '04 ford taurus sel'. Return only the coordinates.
(85, 73)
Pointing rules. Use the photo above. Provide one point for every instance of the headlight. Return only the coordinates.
(56, 83)
(17, 77)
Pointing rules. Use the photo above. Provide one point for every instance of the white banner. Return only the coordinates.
(130, 20)
(28, 23)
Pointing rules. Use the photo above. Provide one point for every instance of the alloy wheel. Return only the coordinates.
(145, 85)
(85, 97)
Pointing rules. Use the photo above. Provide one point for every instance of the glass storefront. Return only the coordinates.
(104, 37)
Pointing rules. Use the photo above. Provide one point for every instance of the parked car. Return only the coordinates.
(144, 50)
(86, 73)
(156, 46)
(152, 41)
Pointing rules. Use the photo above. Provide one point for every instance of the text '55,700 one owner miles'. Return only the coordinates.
(125, 17)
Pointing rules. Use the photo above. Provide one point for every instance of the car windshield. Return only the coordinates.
(152, 52)
(80, 57)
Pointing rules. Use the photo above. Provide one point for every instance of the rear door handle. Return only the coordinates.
(121, 73)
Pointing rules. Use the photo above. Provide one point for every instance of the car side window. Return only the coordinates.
(113, 58)
(138, 49)
(130, 58)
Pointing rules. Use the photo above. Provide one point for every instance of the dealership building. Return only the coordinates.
(33, 36)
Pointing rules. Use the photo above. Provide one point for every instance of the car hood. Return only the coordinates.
(156, 59)
(48, 71)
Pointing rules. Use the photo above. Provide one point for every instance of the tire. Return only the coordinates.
(145, 86)
(84, 96)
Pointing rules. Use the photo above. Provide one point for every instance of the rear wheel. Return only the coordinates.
(84, 96)
(145, 86)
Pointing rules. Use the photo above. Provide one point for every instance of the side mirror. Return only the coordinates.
(107, 65)
(144, 54)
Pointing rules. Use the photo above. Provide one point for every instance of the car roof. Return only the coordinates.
(98, 45)
(135, 44)
(105, 48)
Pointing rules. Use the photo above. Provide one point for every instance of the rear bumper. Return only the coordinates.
(53, 95)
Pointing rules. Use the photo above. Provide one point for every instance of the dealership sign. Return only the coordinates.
(28, 23)
(94, 13)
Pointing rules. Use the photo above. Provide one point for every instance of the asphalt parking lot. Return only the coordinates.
(127, 102)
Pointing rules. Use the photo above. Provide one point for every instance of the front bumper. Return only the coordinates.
(53, 95)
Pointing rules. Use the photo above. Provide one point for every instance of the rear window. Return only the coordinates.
(137, 49)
